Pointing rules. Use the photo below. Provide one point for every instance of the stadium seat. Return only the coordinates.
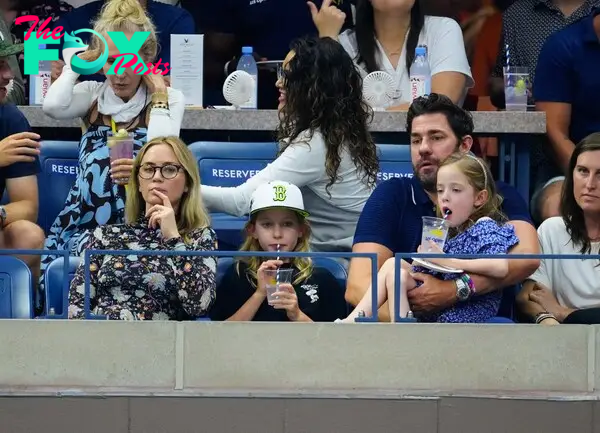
(230, 164)
(57, 290)
(394, 161)
(59, 161)
(335, 268)
(16, 294)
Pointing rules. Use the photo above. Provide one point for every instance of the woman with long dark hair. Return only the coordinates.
(325, 146)
(568, 291)
(385, 37)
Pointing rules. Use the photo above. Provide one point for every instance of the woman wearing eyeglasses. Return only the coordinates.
(163, 211)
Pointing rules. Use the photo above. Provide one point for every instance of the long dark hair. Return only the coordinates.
(571, 212)
(323, 91)
(365, 34)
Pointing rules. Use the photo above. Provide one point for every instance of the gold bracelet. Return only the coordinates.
(160, 105)
(162, 97)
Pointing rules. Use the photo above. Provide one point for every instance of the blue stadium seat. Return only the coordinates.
(394, 161)
(230, 164)
(335, 268)
(59, 161)
(57, 292)
(16, 294)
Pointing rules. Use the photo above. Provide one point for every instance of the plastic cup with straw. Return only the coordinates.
(120, 143)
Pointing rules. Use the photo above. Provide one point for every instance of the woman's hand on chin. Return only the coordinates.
(163, 216)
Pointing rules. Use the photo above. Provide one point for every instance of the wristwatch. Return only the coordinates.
(463, 292)
(2, 216)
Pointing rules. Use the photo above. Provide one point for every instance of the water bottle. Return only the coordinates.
(40, 83)
(248, 64)
(420, 74)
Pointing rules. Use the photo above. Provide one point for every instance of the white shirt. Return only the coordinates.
(67, 99)
(574, 283)
(445, 53)
(333, 219)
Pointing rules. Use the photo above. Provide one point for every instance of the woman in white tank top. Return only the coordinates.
(385, 37)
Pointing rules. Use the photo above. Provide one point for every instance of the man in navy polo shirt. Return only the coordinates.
(566, 84)
(167, 20)
(391, 221)
(19, 164)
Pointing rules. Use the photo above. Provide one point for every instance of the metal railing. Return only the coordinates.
(372, 256)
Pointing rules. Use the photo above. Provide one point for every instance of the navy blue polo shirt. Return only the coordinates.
(392, 216)
(167, 20)
(12, 121)
(568, 72)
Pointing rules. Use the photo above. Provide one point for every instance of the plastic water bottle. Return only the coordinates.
(420, 74)
(248, 64)
(40, 83)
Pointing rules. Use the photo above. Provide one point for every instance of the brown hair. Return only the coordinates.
(480, 178)
(571, 212)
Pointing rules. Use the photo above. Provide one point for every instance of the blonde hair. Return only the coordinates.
(126, 16)
(480, 178)
(303, 264)
(192, 213)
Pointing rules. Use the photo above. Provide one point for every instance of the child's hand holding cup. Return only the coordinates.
(271, 276)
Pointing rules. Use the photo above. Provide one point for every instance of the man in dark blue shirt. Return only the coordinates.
(268, 26)
(167, 19)
(19, 164)
(391, 221)
(565, 86)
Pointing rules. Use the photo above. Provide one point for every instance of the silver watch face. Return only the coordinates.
(463, 294)
(462, 291)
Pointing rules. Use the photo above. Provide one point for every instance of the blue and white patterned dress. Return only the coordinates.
(94, 199)
(484, 237)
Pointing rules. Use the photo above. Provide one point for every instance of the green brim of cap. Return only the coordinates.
(7, 49)
(299, 211)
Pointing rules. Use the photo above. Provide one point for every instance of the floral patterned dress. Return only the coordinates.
(484, 237)
(146, 287)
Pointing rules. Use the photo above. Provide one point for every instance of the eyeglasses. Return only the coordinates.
(167, 171)
(281, 73)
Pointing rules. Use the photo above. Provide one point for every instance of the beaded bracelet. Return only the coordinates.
(469, 282)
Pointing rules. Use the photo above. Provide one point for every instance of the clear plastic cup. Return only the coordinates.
(436, 230)
(120, 146)
(273, 281)
(517, 87)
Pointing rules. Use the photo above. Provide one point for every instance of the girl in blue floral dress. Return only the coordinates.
(466, 194)
(140, 104)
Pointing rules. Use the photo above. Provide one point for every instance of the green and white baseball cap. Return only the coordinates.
(277, 194)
